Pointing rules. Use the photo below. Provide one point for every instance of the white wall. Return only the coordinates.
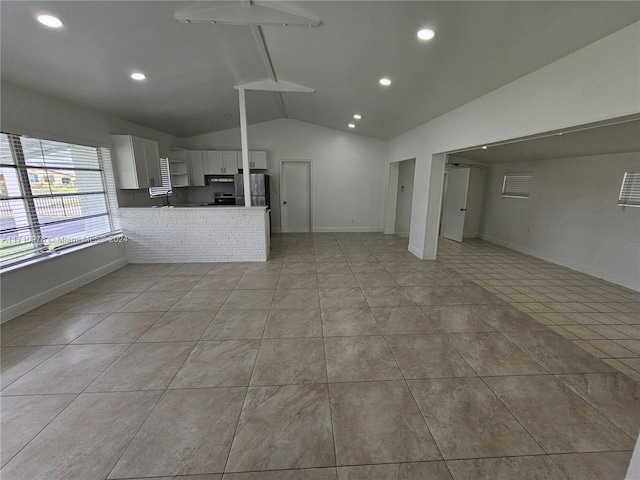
(347, 169)
(34, 114)
(595, 83)
(406, 171)
(30, 286)
(571, 217)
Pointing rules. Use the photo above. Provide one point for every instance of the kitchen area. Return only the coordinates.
(204, 217)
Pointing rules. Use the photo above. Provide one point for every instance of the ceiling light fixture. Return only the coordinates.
(385, 81)
(351, 125)
(50, 21)
(138, 76)
(426, 34)
(484, 147)
(357, 116)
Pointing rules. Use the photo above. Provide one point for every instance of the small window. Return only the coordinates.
(165, 189)
(630, 190)
(517, 185)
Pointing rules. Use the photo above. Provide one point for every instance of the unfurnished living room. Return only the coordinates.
(320, 240)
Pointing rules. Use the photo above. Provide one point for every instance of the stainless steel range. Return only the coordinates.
(222, 198)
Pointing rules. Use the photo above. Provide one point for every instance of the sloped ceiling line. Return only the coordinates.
(266, 59)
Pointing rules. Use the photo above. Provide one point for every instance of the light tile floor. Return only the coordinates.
(343, 357)
(598, 316)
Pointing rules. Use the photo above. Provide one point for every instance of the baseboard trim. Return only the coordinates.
(347, 229)
(30, 303)
(389, 231)
(416, 251)
(403, 234)
(594, 272)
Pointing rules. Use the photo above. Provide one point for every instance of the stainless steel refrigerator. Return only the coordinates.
(259, 189)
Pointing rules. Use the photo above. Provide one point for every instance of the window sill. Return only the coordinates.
(52, 255)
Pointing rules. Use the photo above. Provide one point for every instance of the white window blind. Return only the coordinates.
(52, 195)
(517, 185)
(165, 174)
(630, 190)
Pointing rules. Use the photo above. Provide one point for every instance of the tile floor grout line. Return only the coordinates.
(34, 367)
(415, 402)
(45, 426)
(333, 427)
(135, 434)
(246, 390)
(513, 414)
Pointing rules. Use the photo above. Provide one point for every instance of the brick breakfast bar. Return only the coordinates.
(196, 234)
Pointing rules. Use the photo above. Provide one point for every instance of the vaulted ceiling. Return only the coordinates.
(191, 69)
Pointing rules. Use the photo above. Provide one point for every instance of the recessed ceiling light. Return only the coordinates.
(50, 21)
(351, 125)
(385, 81)
(138, 76)
(484, 147)
(357, 116)
(426, 34)
(228, 115)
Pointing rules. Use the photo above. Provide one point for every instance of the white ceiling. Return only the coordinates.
(614, 136)
(191, 68)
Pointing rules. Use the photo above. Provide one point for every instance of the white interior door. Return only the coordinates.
(295, 197)
(455, 203)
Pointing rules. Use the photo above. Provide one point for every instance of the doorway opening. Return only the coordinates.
(463, 192)
(295, 196)
(404, 197)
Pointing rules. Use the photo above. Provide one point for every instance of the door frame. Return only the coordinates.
(283, 220)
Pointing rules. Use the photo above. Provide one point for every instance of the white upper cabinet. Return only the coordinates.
(137, 162)
(196, 168)
(213, 163)
(257, 160)
(230, 163)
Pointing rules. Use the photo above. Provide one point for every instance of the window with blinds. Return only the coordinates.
(165, 174)
(52, 195)
(630, 190)
(517, 185)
